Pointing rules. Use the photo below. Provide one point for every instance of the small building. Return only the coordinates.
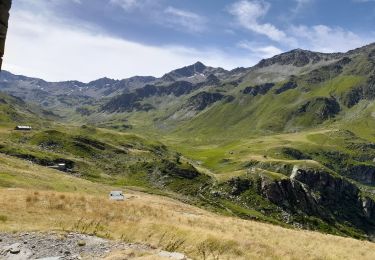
(23, 128)
(116, 195)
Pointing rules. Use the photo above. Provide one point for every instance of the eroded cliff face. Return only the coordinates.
(304, 196)
(4, 17)
(322, 194)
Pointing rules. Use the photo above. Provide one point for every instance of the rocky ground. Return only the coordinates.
(71, 246)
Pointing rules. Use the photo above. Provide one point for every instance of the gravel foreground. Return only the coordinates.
(72, 246)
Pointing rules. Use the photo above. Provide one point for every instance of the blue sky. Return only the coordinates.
(88, 39)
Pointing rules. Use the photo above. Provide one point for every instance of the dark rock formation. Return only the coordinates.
(126, 103)
(323, 108)
(319, 193)
(327, 72)
(293, 153)
(365, 91)
(259, 89)
(362, 173)
(212, 80)
(286, 86)
(203, 99)
(132, 101)
(239, 185)
(178, 88)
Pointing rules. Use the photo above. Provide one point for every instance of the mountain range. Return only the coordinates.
(289, 141)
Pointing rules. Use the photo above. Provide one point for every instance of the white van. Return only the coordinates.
(116, 195)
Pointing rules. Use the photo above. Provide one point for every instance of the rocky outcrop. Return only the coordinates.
(126, 103)
(327, 72)
(202, 100)
(368, 207)
(211, 80)
(258, 90)
(290, 195)
(320, 193)
(362, 173)
(239, 185)
(361, 92)
(322, 108)
(293, 153)
(286, 86)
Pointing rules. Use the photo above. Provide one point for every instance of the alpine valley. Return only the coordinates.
(289, 141)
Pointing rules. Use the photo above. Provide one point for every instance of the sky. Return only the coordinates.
(88, 39)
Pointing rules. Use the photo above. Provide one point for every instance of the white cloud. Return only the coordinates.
(317, 38)
(131, 5)
(301, 4)
(126, 4)
(327, 39)
(248, 14)
(258, 50)
(44, 47)
(188, 20)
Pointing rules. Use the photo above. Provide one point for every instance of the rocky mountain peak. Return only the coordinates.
(297, 58)
(102, 82)
(188, 71)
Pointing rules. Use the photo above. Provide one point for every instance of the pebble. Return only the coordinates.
(81, 243)
(15, 248)
(172, 255)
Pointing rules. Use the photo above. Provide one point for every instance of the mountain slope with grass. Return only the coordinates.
(289, 141)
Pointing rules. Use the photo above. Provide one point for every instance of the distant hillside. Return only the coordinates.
(15, 110)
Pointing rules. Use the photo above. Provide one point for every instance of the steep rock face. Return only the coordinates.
(361, 92)
(259, 89)
(319, 193)
(362, 173)
(321, 107)
(212, 80)
(177, 88)
(290, 195)
(125, 103)
(286, 87)
(368, 207)
(132, 101)
(327, 72)
(203, 99)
